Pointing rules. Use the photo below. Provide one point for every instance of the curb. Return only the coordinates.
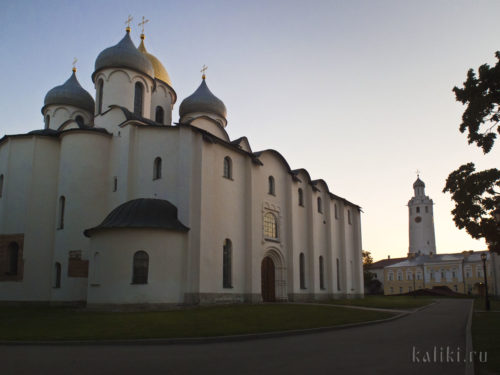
(469, 365)
(206, 340)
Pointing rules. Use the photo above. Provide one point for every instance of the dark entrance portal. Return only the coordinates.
(268, 280)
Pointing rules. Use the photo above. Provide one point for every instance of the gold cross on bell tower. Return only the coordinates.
(203, 70)
(74, 65)
(418, 173)
(127, 22)
(141, 24)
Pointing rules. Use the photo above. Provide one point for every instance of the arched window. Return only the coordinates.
(138, 96)
(390, 276)
(100, 86)
(227, 252)
(426, 209)
(320, 205)
(301, 197)
(349, 217)
(13, 254)
(272, 187)
(115, 183)
(302, 271)
(418, 210)
(338, 274)
(57, 275)
(1, 185)
(159, 114)
(62, 207)
(400, 275)
(157, 169)
(270, 226)
(336, 211)
(321, 273)
(228, 167)
(47, 121)
(141, 266)
(79, 120)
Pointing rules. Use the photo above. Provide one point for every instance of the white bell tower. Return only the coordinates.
(421, 221)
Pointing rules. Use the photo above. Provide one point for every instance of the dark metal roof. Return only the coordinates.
(142, 213)
(70, 93)
(124, 55)
(385, 262)
(202, 100)
(418, 183)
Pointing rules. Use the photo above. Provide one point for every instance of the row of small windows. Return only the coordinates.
(138, 101)
(433, 275)
(417, 209)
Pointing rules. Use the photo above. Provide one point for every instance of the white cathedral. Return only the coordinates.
(113, 204)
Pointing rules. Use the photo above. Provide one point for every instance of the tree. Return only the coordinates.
(367, 262)
(477, 194)
(481, 94)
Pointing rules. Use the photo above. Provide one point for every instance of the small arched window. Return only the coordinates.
(228, 167)
(115, 184)
(349, 217)
(47, 121)
(338, 274)
(270, 226)
(321, 273)
(157, 169)
(1, 185)
(159, 114)
(227, 253)
(138, 98)
(418, 210)
(272, 187)
(301, 197)
(320, 205)
(62, 207)
(100, 87)
(140, 269)
(302, 271)
(57, 275)
(336, 211)
(79, 120)
(13, 254)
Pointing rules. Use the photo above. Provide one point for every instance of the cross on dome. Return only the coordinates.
(74, 64)
(127, 22)
(141, 24)
(203, 70)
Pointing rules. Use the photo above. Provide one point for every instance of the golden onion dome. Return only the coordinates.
(160, 71)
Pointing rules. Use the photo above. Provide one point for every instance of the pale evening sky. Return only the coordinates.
(357, 92)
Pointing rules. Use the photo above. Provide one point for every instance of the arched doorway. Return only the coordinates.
(268, 280)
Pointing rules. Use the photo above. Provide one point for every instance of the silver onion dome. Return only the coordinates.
(124, 55)
(202, 100)
(70, 93)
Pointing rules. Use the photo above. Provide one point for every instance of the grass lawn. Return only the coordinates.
(386, 302)
(486, 336)
(51, 323)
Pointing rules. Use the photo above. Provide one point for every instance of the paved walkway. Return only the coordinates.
(385, 348)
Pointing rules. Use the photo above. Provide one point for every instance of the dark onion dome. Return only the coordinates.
(418, 183)
(124, 55)
(142, 213)
(202, 100)
(70, 93)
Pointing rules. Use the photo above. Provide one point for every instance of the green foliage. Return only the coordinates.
(475, 195)
(367, 261)
(481, 94)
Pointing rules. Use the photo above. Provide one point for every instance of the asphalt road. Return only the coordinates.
(386, 348)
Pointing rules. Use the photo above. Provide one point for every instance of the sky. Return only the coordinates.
(359, 93)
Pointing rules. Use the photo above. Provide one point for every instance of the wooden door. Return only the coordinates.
(268, 280)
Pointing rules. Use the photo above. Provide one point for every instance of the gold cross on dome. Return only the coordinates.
(74, 64)
(418, 173)
(129, 19)
(141, 24)
(203, 70)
